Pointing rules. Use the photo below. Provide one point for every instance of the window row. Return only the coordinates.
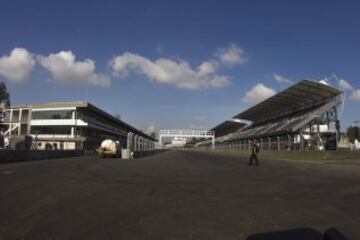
(53, 114)
(66, 130)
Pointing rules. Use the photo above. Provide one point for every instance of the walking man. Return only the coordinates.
(254, 154)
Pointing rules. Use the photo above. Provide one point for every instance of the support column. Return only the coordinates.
(129, 138)
(337, 127)
(20, 116)
(136, 140)
(29, 121)
(289, 147)
(269, 144)
(278, 142)
(10, 124)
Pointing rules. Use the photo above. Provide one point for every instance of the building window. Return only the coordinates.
(63, 130)
(52, 114)
(48, 146)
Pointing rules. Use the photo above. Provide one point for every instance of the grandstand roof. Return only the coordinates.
(303, 95)
(227, 127)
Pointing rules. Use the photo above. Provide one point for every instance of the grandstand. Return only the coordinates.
(302, 117)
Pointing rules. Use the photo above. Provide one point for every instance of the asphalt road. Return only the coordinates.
(176, 195)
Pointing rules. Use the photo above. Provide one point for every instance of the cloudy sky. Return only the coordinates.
(184, 64)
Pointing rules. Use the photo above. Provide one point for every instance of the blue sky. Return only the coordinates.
(176, 64)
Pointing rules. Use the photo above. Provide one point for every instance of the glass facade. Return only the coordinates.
(87, 134)
(16, 116)
(99, 121)
(52, 114)
(63, 130)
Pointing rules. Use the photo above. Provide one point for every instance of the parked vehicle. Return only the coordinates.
(110, 148)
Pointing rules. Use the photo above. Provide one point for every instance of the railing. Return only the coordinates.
(187, 132)
(12, 127)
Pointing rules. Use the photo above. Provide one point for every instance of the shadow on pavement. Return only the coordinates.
(299, 234)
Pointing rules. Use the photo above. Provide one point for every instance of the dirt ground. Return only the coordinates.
(177, 195)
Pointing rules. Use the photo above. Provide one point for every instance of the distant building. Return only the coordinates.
(68, 125)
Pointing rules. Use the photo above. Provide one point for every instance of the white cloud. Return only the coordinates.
(355, 95)
(65, 69)
(344, 85)
(208, 67)
(258, 93)
(168, 71)
(231, 55)
(281, 79)
(18, 65)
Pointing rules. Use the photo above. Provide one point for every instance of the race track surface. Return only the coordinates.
(176, 195)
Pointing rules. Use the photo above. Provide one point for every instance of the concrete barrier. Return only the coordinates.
(7, 156)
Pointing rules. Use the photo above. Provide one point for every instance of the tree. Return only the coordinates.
(353, 133)
(4, 100)
(151, 131)
(4, 95)
(153, 135)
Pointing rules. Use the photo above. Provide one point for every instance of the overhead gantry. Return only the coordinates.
(188, 134)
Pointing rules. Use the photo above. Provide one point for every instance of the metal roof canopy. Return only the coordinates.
(227, 127)
(303, 95)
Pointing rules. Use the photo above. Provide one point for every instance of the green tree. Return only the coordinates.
(353, 133)
(4, 95)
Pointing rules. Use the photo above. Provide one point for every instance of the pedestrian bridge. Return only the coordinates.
(187, 133)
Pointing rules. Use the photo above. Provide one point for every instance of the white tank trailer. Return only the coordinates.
(110, 148)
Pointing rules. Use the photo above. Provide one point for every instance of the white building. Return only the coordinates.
(69, 125)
